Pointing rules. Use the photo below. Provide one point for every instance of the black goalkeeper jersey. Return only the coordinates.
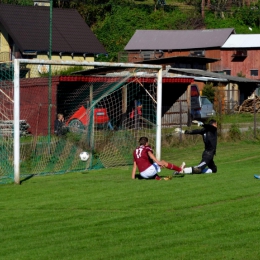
(209, 134)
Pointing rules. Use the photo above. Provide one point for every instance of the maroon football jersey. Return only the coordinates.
(142, 158)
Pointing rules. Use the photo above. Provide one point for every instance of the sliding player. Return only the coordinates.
(147, 163)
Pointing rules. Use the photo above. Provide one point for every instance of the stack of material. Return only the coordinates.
(7, 128)
(249, 105)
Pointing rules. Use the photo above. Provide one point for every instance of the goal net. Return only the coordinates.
(106, 108)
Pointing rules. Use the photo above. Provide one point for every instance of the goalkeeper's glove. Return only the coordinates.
(197, 123)
(178, 130)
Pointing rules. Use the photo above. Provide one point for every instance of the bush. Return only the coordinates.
(234, 132)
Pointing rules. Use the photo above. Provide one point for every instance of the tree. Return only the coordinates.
(209, 92)
(17, 2)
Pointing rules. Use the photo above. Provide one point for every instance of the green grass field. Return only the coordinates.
(104, 214)
(240, 118)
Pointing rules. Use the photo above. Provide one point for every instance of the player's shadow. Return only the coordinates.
(139, 177)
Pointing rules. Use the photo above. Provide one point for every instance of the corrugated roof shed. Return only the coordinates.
(28, 26)
(183, 59)
(178, 39)
(242, 41)
(203, 73)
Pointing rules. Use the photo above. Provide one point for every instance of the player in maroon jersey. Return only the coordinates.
(147, 163)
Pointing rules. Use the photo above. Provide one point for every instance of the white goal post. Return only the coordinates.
(16, 102)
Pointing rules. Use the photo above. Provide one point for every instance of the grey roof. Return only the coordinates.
(178, 39)
(28, 26)
(203, 73)
(242, 41)
(183, 59)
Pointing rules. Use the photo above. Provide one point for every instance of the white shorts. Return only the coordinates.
(150, 171)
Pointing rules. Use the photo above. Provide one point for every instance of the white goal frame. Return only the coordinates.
(16, 83)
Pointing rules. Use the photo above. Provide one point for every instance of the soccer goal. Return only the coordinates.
(106, 108)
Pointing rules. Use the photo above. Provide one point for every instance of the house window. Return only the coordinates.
(227, 72)
(253, 72)
(240, 53)
(147, 55)
(197, 53)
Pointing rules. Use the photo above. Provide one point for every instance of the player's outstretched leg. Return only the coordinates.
(171, 166)
(196, 170)
(181, 172)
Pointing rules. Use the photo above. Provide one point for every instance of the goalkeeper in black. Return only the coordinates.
(209, 135)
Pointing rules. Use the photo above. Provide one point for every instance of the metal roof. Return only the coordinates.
(209, 79)
(28, 26)
(98, 71)
(106, 70)
(171, 60)
(107, 74)
(178, 39)
(242, 41)
(220, 76)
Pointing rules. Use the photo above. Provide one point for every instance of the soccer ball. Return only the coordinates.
(84, 156)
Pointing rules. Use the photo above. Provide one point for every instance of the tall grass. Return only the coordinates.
(104, 214)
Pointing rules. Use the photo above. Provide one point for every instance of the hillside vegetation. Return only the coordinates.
(115, 21)
(117, 27)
